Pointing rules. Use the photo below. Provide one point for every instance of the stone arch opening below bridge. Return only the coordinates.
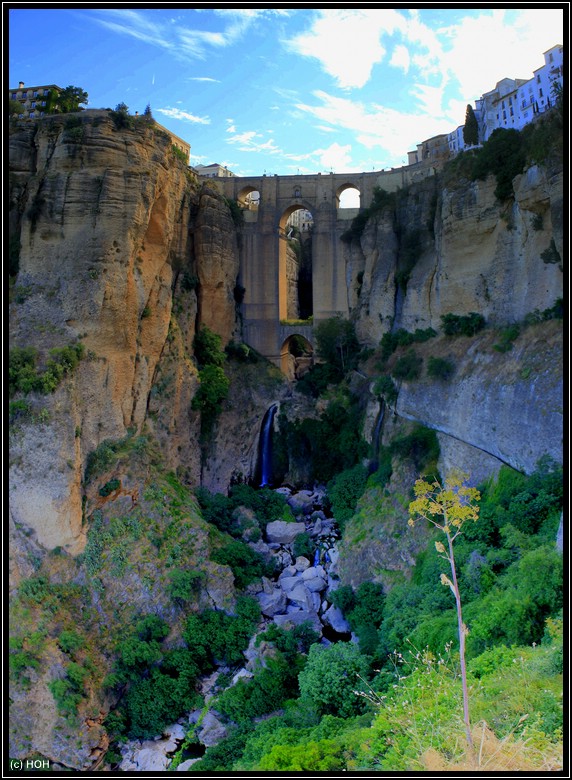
(296, 356)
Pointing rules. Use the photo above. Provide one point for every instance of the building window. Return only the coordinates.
(46, 92)
(33, 104)
(551, 57)
(35, 93)
(14, 95)
(540, 93)
(43, 103)
(538, 79)
(31, 114)
(525, 114)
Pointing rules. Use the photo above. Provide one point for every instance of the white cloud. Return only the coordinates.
(347, 42)
(177, 113)
(400, 58)
(247, 142)
(500, 44)
(204, 78)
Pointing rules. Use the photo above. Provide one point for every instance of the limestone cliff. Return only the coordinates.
(109, 224)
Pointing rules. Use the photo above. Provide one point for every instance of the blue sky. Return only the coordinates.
(285, 90)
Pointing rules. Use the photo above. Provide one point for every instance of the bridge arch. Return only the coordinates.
(248, 198)
(294, 301)
(348, 192)
(296, 355)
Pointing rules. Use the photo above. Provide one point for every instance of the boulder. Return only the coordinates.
(212, 730)
(334, 618)
(298, 617)
(281, 532)
(272, 603)
(302, 502)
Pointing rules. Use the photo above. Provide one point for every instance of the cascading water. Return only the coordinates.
(265, 446)
(374, 462)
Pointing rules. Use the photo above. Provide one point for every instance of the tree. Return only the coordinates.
(70, 99)
(15, 107)
(454, 503)
(337, 343)
(147, 115)
(471, 128)
(332, 676)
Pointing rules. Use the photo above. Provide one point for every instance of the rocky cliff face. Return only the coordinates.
(113, 230)
(462, 251)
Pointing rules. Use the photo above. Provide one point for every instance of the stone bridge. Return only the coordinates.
(263, 255)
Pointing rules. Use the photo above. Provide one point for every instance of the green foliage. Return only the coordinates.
(385, 387)
(247, 565)
(408, 366)
(555, 312)
(109, 487)
(381, 201)
(121, 118)
(155, 701)
(507, 336)
(207, 347)
(235, 212)
(336, 343)
(323, 756)
(213, 390)
(265, 503)
(462, 325)
(330, 677)
(504, 156)
(264, 693)
(344, 490)
(316, 381)
(70, 99)
(70, 641)
(303, 545)
(331, 444)
(471, 127)
(179, 154)
(440, 368)
(364, 611)
(515, 611)
(421, 446)
(403, 338)
(25, 378)
(213, 636)
(185, 585)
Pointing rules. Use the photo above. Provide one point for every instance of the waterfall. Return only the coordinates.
(374, 462)
(266, 446)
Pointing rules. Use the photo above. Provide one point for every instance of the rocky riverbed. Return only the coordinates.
(299, 593)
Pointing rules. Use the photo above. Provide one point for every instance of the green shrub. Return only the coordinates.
(109, 487)
(408, 367)
(440, 368)
(385, 387)
(70, 641)
(207, 347)
(502, 155)
(462, 325)
(303, 546)
(507, 336)
(247, 565)
(344, 490)
(421, 446)
(185, 585)
(212, 391)
(331, 676)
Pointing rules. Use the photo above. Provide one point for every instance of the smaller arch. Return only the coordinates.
(248, 198)
(296, 356)
(349, 194)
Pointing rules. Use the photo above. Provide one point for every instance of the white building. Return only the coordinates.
(213, 171)
(512, 104)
